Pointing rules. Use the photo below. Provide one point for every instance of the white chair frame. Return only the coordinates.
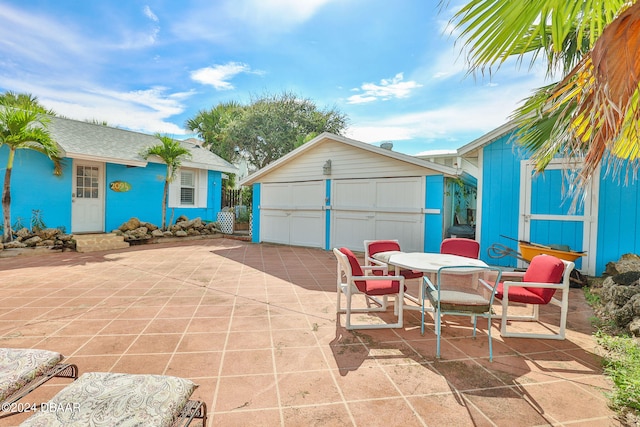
(348, 288)
(563, 303)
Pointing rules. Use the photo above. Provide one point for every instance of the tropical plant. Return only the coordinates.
(23, 126)
(172, 153)
(210, 126)
(592, 112)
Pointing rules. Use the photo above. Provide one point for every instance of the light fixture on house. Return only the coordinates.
(326, 169)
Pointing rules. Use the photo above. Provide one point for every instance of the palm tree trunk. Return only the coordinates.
(6, 199)
(164, 205)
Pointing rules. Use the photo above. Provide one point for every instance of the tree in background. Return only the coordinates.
(266, 129)
(171, 152)
(592, 112)
(23, 126)
(210, 125)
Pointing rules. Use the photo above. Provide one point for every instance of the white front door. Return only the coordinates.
(546, 217)
(87, 212)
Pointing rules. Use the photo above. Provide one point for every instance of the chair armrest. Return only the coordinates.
(399, 278)
(374, 268)
(373, 261)
(508, 283)
(512, 275)
(486, 284)
(428, 283)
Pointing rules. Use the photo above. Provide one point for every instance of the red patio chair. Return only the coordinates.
(545, 275)
(352, 280)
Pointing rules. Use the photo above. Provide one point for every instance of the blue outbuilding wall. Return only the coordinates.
(618, 215)
(500, 199)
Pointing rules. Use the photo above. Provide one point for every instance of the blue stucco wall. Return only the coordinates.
(33, 186)
(144, 200)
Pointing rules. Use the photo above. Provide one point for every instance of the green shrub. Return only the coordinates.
(622, 364)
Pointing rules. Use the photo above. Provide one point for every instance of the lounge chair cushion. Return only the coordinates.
(20, 366)
(110, 399)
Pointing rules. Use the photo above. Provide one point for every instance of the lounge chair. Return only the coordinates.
(114, 399)
(22, 370)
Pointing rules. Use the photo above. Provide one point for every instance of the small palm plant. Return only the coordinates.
(171, 152)
(23, 126)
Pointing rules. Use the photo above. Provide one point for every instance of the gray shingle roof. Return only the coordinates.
(88, 141)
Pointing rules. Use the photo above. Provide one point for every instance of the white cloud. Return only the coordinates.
(218, 76)
(387, 89)
(149, 14)
(477, 112)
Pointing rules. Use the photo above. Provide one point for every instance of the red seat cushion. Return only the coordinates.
(369, 287)
(542, 269)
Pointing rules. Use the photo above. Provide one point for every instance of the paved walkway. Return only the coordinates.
(254, 326)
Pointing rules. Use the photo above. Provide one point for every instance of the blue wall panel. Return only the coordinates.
(144, 200)
(500, 200)
(327, 215)
(434, 223)
(33, 186)
(618, 217)
(256, 214)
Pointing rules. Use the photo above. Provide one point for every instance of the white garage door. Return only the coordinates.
(382, 208)
(292, 213)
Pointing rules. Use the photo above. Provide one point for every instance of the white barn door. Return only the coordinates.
(291, 213)
(378, 208)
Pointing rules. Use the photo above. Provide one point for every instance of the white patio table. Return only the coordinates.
(426, 262)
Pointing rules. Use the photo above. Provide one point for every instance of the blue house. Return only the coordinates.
(105, 181)
(515, 203)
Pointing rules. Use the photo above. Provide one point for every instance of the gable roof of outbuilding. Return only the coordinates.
(88, 141)
(327, 136)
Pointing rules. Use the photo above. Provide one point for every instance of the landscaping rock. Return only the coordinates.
(130, 225)
(620, 293)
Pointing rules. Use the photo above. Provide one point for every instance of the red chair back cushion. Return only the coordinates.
(460, 246)
(544, 269)
(383, 246)
(356, 270)
(369, 287)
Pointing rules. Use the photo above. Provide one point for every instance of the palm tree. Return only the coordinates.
(22, 127)
(211, 127)
(171, 152)
(592, 112)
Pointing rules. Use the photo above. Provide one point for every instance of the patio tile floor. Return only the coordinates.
(255, 327)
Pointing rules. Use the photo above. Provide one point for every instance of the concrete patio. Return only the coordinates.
(255, 327)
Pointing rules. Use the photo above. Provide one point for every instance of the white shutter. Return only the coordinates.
(174, 192)
(201, 194)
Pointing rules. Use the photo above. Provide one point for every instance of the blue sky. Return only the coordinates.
(392, 67)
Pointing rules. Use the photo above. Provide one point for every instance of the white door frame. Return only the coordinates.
(588, 217)
(97, 225)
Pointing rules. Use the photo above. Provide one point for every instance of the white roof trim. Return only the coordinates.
(87, 157)
(352, 142)
(488, 137)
